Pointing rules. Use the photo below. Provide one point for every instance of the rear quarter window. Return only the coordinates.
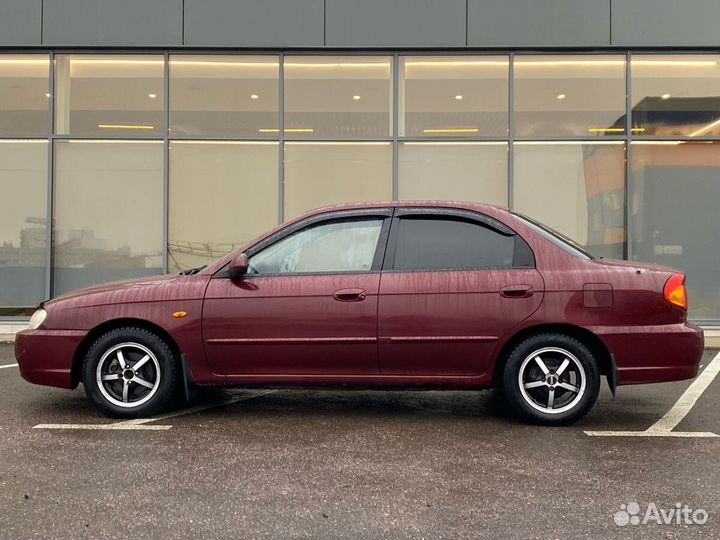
(560, 240)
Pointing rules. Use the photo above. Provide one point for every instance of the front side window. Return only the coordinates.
(440, 243)
(336, 246)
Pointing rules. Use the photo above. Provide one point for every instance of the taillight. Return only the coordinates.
(675, 292)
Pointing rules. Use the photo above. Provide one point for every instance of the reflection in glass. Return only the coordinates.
(222, 195)
(461, 171)
(674, 200)
(339, 246)
(320, 174)
(559, 95)
(576, 188)
(338, 96)
(109, 95)
(676, 95)
(446, 96)
(219, 96)
(107, 212)
(24, 94)
(23, 224)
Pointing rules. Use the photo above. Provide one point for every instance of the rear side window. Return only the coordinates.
(437, 243)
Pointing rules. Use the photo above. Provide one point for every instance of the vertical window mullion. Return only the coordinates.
(395, 123)
(49, 251)
(281, 139)
(166, 161)
(628, 157)
(511, 131)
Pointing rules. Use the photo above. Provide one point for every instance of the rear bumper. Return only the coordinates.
(46, 356)
(650, 354)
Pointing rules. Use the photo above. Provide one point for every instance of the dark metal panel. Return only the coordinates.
(395, 23)
(20, 22)
(254, 23)
(112, 22)
(664, 23)
(538, 23)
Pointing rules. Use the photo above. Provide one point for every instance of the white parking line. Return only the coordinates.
(8, 365)
(113, 426)
(664, 427)
(648, 433)
(140, 424)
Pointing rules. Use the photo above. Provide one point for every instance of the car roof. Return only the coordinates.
(479, 207)
(489, 209)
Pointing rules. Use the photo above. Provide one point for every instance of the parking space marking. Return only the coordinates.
(670, 420)
(112, 426)
(648, 433)
(8, 365)
(141, 424)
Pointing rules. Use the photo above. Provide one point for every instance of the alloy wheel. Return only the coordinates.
(128, 375)
(552, 380)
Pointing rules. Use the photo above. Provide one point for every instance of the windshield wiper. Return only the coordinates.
(192, 271)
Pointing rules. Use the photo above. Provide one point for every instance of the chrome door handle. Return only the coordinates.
(517, 291)
(350, 295)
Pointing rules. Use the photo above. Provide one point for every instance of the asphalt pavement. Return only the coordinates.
(351, 464)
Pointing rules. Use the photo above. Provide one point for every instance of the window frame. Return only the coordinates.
(478, 218)
(383, 214)
(58, 111)
(349, 56)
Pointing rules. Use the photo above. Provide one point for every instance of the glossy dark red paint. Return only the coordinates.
(429, 322)
(446, 328)
(286, 325)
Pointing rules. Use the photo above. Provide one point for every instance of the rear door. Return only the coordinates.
(453, 283)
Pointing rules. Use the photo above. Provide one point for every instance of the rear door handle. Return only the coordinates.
(350, 295)
(517, 291)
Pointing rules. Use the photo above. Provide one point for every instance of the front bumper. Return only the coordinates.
(650, 354)
(46, 356)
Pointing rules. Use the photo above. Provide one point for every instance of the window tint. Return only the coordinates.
(557, 238)
(337, 246)
(446, 244)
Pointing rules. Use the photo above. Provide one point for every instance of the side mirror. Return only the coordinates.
(239, 265)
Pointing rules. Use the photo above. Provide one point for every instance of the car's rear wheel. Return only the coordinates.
(551, 379)
(130, 372)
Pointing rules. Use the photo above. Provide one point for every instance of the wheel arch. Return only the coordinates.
(585, 336)
(99, 330)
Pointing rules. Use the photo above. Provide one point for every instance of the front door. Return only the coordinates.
(453, 285)
(308, 304)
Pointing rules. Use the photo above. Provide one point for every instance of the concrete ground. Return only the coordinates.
(350, 464)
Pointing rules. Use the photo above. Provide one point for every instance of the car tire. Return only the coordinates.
(551, 379)
(130, 372)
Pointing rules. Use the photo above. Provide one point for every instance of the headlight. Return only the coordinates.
(37, 318)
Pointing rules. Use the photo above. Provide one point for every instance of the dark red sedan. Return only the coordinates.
(399, 294)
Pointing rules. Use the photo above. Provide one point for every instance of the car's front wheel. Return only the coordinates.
(130, 372)
(551, 379)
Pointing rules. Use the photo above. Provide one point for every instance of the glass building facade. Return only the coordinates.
(121, 165)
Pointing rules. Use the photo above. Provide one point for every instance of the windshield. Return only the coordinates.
(567, 244)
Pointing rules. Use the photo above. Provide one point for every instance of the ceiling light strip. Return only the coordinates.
(176, 141)
(542, 143)
(125, 126)
(440, 131)
(339, 143)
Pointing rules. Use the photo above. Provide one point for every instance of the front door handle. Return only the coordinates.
(517, 291)
(350, 295)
